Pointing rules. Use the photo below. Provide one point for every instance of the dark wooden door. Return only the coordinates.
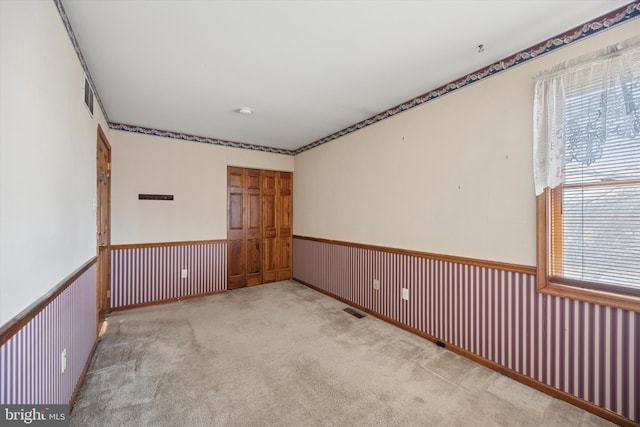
(259, 226)
(284, 221)
(236, 252)
(253, 233)
(269, 229)
(103, 219)
(244, 230)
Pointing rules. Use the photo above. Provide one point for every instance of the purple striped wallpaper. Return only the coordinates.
(30, 361)
(145, 274)
(587, 350)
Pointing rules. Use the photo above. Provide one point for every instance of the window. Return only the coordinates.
(587, 170)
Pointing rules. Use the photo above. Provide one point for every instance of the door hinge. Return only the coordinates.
(108, 293)
(109, 166)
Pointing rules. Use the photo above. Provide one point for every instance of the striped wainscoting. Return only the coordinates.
(30, 359)
(492, 311)
(151, 273)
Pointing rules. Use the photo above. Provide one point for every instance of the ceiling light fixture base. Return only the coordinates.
(245, 111)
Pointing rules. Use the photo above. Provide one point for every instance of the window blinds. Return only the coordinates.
(596, 239)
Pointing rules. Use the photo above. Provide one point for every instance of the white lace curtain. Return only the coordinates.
(607, 77)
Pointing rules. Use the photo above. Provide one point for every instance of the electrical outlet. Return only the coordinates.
(184, 273)
(376, 284)
(405, 294)
(63, 361)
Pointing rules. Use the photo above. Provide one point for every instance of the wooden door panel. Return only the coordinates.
(285, 223)
(254, 262)
(253, 256)
(235, 177)
(269, 214)
(253, 215)
(235, 226)
(285, 198)
(284, 269)
(253, 179)
(269, 255)
(236, 264)
(285, 213)
(285, 183)
(269, 245)
(235, 212)
(268, 182)
(269, 265)
(244, 227)
(236, 244)
(254, 236)
(103, 220)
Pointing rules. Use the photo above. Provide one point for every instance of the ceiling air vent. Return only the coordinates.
(88, 95)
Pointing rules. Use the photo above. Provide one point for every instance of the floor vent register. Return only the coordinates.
(354, 312)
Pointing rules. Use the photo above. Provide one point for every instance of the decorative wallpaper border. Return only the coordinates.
(195, 138)
(604, 22)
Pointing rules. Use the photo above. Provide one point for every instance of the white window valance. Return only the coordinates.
(603, 83)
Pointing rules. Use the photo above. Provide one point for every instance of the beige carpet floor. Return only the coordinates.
(285, 355)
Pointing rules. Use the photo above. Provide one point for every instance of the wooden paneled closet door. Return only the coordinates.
(269, 227)
(254, 227)
(259, 226)
(236, 250)
(276, 225)
(284, 222)
(244, 230)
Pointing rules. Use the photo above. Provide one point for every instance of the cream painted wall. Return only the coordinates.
(453, 176)
(195, 173)
(47, 156)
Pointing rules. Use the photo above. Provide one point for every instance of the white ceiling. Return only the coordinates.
(306, 68)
